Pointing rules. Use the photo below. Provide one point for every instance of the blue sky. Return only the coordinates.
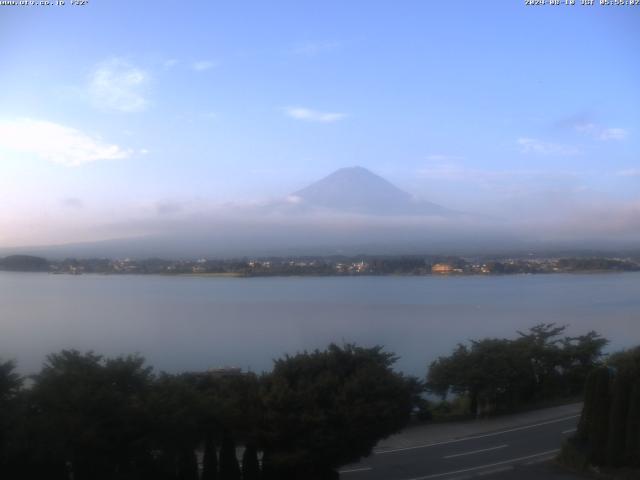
(116, 110)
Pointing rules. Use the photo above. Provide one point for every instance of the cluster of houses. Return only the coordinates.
(414, 265)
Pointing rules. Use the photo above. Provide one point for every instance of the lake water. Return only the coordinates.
(182, 323)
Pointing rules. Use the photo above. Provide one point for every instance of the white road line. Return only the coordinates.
(495, 470)
(535, 461)
(571, 430)
(444, 474)
(474, 437)
(476, 451)
(354, 470)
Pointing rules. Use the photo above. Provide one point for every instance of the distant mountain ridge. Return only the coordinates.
(351, 210)
(358, 190)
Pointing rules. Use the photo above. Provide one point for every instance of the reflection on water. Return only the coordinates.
(183, 323)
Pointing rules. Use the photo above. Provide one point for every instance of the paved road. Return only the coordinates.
(487, 455)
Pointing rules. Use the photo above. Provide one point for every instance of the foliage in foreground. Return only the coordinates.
(609, 430)
(501, 374)
(94, 418)
(330, 408)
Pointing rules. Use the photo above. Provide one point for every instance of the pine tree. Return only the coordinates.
(268, 472)
(616, 437)
(188, 465)
(209, 461)
(599, 421)
(229, 468)
(586, 418)
(632, 444)
(250, 466)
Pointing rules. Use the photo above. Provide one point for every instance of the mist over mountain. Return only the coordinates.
(350, 211)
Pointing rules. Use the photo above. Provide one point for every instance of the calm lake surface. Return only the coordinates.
(182, 323)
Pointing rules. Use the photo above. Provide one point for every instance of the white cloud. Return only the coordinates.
(202, 65)
(601, 133)
(306, 114)
(115, 84)
(532, 145)
(294, 199)
(56, 143)
(631, 172)
(314, 48)
(613, 134)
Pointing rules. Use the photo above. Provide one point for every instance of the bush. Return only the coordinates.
(328, 408)
(574, 454)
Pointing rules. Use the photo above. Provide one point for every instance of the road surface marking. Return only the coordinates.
(571, 430)
(495, 470)
(504, 462)
(473, 437)
(535, 461)
(476, 451)
(354, 470)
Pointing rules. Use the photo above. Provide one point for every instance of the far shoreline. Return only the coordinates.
(328, 266)
(293, 275)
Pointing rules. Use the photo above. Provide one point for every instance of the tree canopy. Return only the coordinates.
(502, 374)
(98, 418)
(328, 408)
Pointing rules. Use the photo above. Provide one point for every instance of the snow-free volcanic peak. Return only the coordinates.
(358, 190)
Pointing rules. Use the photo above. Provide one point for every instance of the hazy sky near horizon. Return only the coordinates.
(121, 110)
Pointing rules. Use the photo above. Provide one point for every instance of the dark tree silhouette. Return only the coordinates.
(501, 374)
(188, 465)
(10, 416)
(229, 468)
(89, 413)
(609, 429)
(250, 464)
(209, 461)
(328, 408)
(598, 423)
(268, 471)
(632, 442)
(617, 434)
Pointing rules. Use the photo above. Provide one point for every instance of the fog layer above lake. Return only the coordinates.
(195, 323)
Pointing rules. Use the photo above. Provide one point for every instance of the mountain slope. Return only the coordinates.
(358, 190)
